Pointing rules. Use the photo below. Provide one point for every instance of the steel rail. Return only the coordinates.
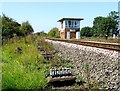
(109, 46)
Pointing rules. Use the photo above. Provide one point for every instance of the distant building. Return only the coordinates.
(70, 28)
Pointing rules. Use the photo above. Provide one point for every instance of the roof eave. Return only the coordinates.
(69, 19)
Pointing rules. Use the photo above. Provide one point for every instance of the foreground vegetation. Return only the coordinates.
(22, 65)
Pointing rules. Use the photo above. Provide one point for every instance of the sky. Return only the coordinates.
(44, 15)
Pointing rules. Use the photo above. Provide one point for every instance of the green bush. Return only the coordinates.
(57, 36)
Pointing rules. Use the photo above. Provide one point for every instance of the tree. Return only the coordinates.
(9, 27)
(54, 33)
(42, 33)
(26, 28)
(98, 26)
(114, 15)
(114, 24)
(0, 25)
(86, 31)
(103, 25)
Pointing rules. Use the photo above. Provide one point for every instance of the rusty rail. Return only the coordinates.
(64, 78)
(110, 46)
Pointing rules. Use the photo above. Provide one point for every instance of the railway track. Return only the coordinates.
(109, 46)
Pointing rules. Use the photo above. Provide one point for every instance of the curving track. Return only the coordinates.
(110, 46)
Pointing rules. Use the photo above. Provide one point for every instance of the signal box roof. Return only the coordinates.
(70, 19)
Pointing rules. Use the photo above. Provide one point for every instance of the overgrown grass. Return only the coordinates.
(25, 69)
(109, 40)
(97, 39)
(44, 45)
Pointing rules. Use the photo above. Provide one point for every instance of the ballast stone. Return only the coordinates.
(104, 64)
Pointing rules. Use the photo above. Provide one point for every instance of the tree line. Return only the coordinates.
(54, 33)
(9, 27)
(102, 26)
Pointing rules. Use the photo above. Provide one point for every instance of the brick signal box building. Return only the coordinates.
(70, 28)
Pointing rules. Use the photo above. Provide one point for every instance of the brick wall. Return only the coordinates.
(63, 34)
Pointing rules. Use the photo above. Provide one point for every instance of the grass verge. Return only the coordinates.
(23, 68)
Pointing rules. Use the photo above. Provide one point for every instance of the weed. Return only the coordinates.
(70, 66)
(87, 75)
